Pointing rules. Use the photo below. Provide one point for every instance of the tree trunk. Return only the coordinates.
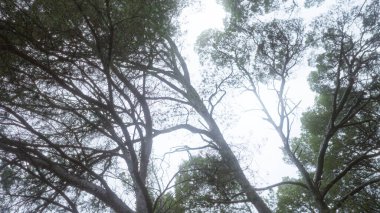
(227, 154)
(323, 208)
(141, 205)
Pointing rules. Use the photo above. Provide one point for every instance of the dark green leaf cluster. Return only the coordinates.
(241, 10)
(206, 184)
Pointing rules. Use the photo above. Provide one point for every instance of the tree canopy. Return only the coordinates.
(74, 112)
(86, 86)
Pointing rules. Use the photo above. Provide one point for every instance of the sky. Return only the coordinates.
(248, 130)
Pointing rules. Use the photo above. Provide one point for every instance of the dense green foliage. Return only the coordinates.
(87, 85)
(205, 184)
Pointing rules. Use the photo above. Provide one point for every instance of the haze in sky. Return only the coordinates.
(248, 130)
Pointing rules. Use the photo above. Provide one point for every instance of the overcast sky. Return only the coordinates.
(248, 130)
